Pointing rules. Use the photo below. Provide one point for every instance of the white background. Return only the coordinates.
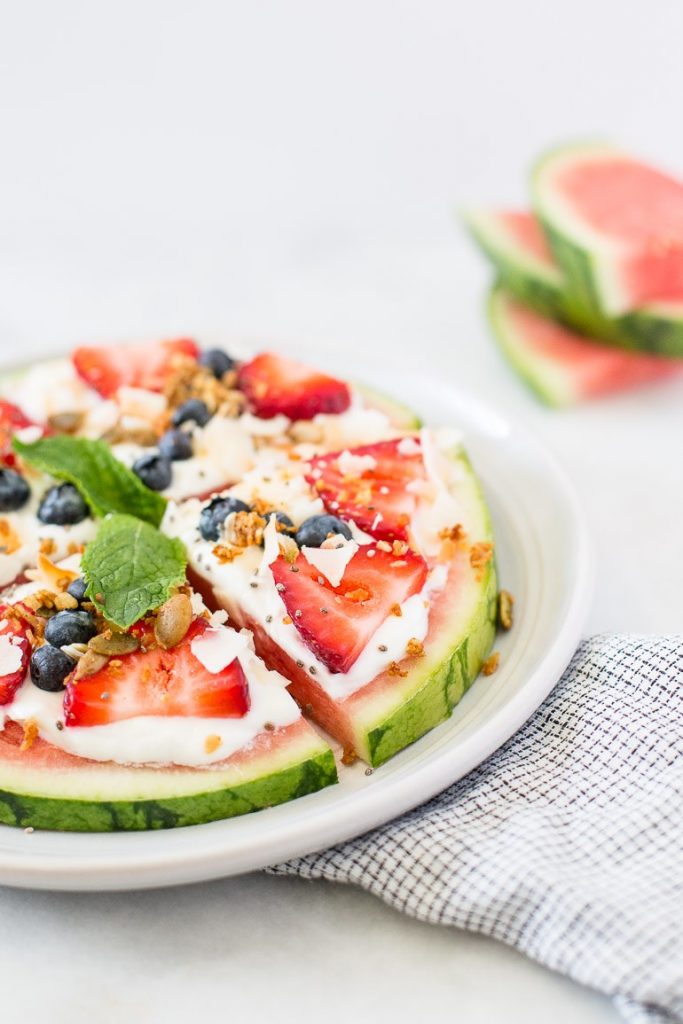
(291, 170)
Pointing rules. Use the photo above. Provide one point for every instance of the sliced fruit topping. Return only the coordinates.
(337, 623)
(369, 485)
(14, 491)
(12, 419)
(107, 368)
(15, 653)
(275, 385)
(157, 682)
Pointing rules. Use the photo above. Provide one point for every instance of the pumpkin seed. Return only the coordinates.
(112, 644)
(173, 621)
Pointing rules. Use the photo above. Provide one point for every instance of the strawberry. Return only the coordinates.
(374, 584)
(13, 636)
(157, 682)
(376, 499)
(107, 368)
(11, 420)
(275, 385)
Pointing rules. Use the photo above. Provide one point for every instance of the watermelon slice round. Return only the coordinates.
(47, 788)
(561, 366)
(615, 226)
(515, 243)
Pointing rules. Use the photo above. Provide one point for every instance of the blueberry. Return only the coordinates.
(192, 411)
(77, 589)
(70, 627)
(50, 667)
(216, 360)
(287, 526)
(215, 513)
(14, 491)
(176, 445)
(315, 530)
(154, 470)
(62, 505)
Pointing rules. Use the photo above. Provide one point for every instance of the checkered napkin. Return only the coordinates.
(568, 842)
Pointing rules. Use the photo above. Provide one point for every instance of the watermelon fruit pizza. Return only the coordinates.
(599, 261)
(222, 582)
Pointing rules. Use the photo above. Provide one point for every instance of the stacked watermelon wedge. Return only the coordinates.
(588, 299)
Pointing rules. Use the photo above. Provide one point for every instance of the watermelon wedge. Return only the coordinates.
(396, 707)
(515, 243)
(614, 224)
(48, 788)
(561, 366)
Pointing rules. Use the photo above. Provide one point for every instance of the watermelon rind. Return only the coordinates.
(95, 797)
(585, 256)
(656, 328)
(549, 384)
(400, 416)
(388, 721)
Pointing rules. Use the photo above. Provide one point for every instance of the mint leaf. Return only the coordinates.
(131, 569)
(105, 483)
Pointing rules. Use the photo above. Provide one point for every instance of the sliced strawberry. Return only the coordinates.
(376, 499)
(372, 588)
(107, 368)
(13, 639)
(157, 682)
(12, 419)
(275, 385)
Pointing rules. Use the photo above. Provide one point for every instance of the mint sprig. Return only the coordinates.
(104, 482)
(131, 569)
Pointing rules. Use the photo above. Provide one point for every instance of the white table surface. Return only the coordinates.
(288, 170)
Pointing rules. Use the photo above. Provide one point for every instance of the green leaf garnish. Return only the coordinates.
(104, 482)
(131, 569)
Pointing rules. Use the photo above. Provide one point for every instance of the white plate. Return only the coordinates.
(544, 558)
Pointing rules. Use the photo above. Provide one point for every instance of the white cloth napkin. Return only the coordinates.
(568, 842)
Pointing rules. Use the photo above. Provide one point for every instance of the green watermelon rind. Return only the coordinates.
(551, 388)
(119, 798)
(656, 328)
(427, 695)
(401, 416)
(583, 255)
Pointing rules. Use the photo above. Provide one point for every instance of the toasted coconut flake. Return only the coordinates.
(10, 541)
(30, 728)
(212, 743)
(415, 648)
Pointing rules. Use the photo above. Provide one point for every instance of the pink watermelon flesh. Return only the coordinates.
(526, 232)
(591, 369)
(640, 210)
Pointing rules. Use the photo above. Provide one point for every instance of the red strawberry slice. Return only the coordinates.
(157, 682)
(107, 368)
(13, 638)
(275, 385)
(373, 587)
(376, 499)
(12, 419)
